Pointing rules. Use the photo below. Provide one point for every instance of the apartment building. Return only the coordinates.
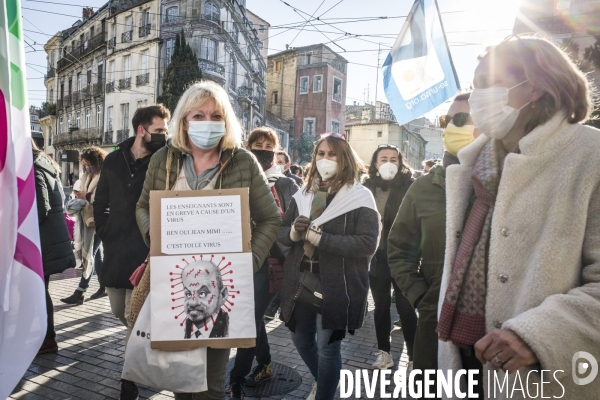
(307, 87)
(228, 47)
(132, 64)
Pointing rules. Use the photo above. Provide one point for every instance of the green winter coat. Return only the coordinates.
(240, 170)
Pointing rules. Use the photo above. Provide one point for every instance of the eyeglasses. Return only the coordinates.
(458, 119)
(333, 134)
(387, 146)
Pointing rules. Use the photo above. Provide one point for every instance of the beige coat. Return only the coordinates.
(543, 277)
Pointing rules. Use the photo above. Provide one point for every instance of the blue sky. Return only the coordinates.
(470, 25)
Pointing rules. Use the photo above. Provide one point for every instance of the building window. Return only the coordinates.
(337, 90)
(335, 126)
(109, 118)
(317, 83)
(303, 84)
(211, 12)
(277, 66)
(347, 132)
(232, 71)
(275, 97)
(308, 58)
(142, 103)
(87, 118)
(145, 62)
(125, 115)
(77, 118)
(379, 134)
(172, 14)
(127, 66)
(261, 28)
(111, 68)
(170, 47)
(99, 115)
(79, 82)
(208, 49)
(60, 125)
(308, 126)
(235, 32)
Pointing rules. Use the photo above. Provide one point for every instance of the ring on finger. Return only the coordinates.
(497, 360)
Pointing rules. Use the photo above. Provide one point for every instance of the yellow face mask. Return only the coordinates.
(455, 138)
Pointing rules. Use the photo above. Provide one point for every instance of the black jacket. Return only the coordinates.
(296, 178)
(114, 212)
(57, 252)
(398, 188)
(346, 247)
(286, 188)
(220, 329)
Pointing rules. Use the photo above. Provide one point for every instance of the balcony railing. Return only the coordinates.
(124, 83)
(211, 17)
(110, 87)
(126, 36)
(211, 67)
(142, 79)
(244, 92)
(79, 135)
(144, 30)
(67, 100)
(112, 43)
(76, 97)
(51, 74)
(97, 89)
(108, 137)
(122, 135)
(81, 50)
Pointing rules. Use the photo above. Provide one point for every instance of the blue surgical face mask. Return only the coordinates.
(206, 134)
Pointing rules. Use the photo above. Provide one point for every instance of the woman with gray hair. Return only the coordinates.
(204, 153)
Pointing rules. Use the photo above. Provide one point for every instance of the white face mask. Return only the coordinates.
(206, 134)
(327, 169)
(387, 171)
(491, 113)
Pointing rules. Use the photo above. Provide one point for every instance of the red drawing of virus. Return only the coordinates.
(195, 290)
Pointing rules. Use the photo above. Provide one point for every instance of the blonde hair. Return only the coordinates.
(549, 69)
(196, 95)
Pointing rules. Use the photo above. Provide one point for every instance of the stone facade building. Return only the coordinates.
(227, 44)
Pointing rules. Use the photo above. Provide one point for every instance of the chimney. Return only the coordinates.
(287, 46)
(87, 12)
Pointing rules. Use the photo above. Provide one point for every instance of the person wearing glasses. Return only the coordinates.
(119, 188)
(521, 282)
(389, 178)
(417, 238)
(204, 153)
(332, 226)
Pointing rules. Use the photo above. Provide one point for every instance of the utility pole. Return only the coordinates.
(377, 78)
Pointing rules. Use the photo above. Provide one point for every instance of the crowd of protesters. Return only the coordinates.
(493, 252)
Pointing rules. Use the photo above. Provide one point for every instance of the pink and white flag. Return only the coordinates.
(22, 295)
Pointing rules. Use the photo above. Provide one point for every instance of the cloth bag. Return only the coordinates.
(176, 371)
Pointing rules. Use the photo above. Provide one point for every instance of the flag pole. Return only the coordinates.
(447, 47)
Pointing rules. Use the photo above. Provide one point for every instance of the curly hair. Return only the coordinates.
(93, 156)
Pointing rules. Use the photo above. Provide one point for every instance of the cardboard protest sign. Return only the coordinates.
(201, 281)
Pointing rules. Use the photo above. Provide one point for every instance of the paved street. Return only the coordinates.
(89, 362)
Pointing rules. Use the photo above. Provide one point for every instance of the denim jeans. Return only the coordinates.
(324, 360)
(262, 351)
(85, 283)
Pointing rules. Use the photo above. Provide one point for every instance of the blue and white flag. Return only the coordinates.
(418, 74)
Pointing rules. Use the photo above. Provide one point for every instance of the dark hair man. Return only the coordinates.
(119, 188)
(283, 160)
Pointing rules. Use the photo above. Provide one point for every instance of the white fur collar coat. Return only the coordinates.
(543, 278)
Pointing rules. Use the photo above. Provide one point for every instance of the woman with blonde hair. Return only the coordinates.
(520, 291)
(332, 226)
(205, 153)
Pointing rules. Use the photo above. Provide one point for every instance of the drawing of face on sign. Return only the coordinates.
(204, 295)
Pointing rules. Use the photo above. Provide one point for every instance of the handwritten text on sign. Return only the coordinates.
(201, 225)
